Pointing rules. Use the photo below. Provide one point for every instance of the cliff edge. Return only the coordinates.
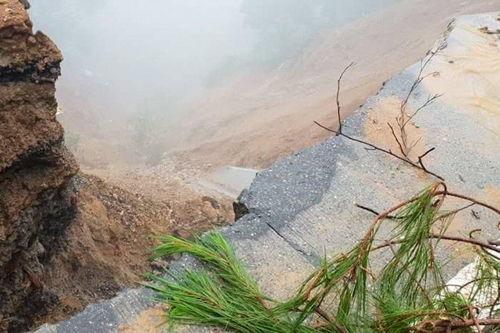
(36, 201)
(66, 239)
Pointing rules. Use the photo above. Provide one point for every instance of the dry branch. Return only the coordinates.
(339, 81)
(446, 325)
(403, 118)
(374, 147)
(402, 122)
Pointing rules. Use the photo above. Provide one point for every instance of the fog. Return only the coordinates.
(127, 57)
(133, 53)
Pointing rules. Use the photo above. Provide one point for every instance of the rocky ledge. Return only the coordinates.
(36, 200)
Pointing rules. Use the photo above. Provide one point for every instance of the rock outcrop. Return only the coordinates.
(36, 200)
(66, 239)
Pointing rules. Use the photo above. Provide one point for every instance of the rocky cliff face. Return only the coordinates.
(36, 199)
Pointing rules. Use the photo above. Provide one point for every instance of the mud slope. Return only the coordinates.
(106, 247)
(259, 116)
(66, 239)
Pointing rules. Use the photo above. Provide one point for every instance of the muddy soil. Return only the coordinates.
(107, 246)
(68, 239)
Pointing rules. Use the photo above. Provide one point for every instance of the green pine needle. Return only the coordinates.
(343, 295)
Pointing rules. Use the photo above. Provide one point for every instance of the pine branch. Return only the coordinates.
(403, 295)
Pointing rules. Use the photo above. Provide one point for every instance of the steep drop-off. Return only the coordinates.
(257, 117)
(66, 239)
(36, 200)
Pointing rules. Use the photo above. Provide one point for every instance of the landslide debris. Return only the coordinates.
(66, 239)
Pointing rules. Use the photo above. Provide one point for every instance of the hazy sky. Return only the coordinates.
(127, 56)
(143, 49)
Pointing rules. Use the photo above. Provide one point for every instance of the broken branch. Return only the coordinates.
(380, 149)
(339, 115)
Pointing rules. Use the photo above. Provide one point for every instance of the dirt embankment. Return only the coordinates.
(106, 247)
(66, 239)
(36, 202)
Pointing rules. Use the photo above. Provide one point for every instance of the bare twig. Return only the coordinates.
(455, 211)
(458, 239)
(425, 154)
(403, 118)
(467, 198)
(446, 325)
(400, 145)
(374, 212)
(471, 241)
(474, 318)
(414, 144)
(420, 158)
(339, 115)
(429, 101)
(380, 149)
(419, 79)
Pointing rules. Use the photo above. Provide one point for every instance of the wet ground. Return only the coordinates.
(304, 205)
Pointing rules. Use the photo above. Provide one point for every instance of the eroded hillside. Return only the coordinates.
(37, 202)
(66, 239)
